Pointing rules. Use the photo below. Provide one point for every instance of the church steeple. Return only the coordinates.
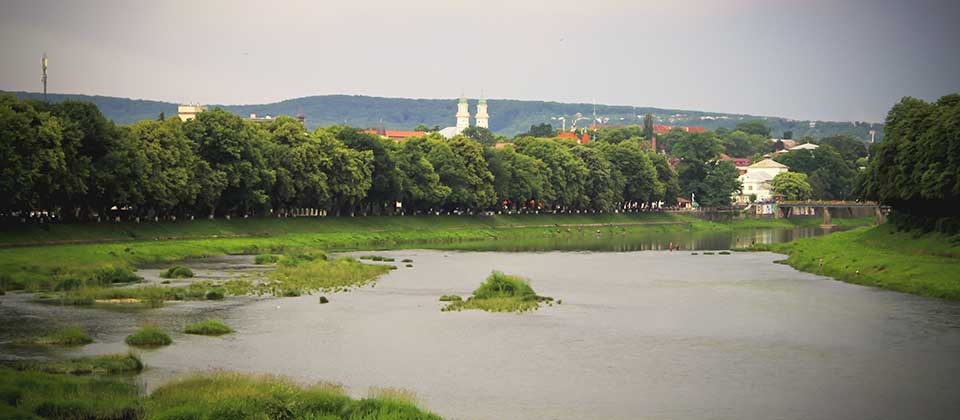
(463, 115)
(483, 119)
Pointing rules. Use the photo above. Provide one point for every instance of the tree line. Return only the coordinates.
(916, 169)
(66, 161)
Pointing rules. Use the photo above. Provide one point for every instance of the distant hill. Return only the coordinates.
(507, 116)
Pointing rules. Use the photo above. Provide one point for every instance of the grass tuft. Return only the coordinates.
(96, 365)
(148, 336)
(501, 293)
(209, 327)
(266, 259)
(450, 298)
(323, 300)
(69, 336)
(177, 272)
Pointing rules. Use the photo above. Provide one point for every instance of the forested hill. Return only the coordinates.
(507, 116)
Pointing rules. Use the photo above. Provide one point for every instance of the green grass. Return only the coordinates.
(266, 259)
(377, 258)
(98, 365)
(233, 395)
(500, 293)
(32, 394)
(69, 336)
(208, 327)
(148, 336)
(177, 272)
(220, 395)
(320, 275)
(910, 262)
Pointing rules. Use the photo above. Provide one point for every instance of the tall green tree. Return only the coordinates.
(701, 172)
(792, 185)
(830, 176)
(648, 126)
(462, 168)
(385, 187)
(566, 174)
(754, 127)
(31, 158)
(421, 189)
(517, 178)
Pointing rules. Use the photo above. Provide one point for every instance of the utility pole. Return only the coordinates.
(43, 65)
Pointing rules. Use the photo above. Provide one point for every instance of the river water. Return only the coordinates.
(652, 334)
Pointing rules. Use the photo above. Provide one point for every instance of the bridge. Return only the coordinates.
(788, 208)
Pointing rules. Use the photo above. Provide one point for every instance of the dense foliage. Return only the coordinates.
(916, 169)
(66, 161)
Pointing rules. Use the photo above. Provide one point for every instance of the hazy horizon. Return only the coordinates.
(802, 60)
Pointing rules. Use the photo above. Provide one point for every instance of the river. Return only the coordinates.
(651, 334)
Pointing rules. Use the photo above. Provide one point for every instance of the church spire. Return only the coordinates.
(463, 114)
(483, 119)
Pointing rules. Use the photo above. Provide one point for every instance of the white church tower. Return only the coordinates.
(463, 115)
(483, 119)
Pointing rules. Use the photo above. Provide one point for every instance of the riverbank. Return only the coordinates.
(909, 262)
(34, 256)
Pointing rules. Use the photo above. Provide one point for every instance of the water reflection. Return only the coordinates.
(612, 240)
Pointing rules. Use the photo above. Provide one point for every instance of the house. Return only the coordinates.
(740, 163)
(756, 181)
(805, 146)
(395, 134)
(570, 135)
(660, 129)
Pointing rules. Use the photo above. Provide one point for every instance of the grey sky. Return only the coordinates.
(805, 59)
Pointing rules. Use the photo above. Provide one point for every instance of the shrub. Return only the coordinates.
(108, 276)
(266, 259)
(148, 336)
(409, 265)
(323, 299)
(292, 293)
(406, 260)
(69, 336)
(450, 298)
(209, 327)
(214, 295)
(724, 252)
(502, 285)
(500, 293)
(177, 272)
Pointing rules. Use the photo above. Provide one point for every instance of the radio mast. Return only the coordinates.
(43, 65)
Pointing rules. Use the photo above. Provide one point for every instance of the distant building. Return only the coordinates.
(805, 146)
(189, 112)
(740, 163)
(268, 119)
(573, 136)
(395, 134)
(660, 128)
(463, 118)
(756, 180)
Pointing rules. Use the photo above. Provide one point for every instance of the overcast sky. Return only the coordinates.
(804, 59)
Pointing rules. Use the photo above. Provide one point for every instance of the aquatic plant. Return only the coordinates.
(214, 295)
(724, 252)
(409, 265)
(266, 259)
(377, 258)
(292, 293)
(208, 327)
(323, 300)
(707, 253)
(177, 272)
(148, 336)
(406, 260)
(450, 298)
(29, 394)
(235, 395)
(501, 293)
(69, 336)
(98, 365)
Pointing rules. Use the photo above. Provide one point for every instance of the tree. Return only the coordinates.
(828, 174)
(754, 127)
(385, 189)
(741, 144)
(565, 173)
(300, 162)
(480, 134)
(543, 130)
(349, 173)
(602, 189)
(633, 168)
(31, 159)
(462, 168)
(849, 147)
(421, 189)
(701, 172)
(167, 180)
(648, 126)
(517, 178)
(791, 185)
(719, 185)
(788, 135)
(422, 127)
(668, 177)
(234, 149)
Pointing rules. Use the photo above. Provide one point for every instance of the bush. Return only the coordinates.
(292, 293)
(209, 327)
(323, 299)
(406, 260)
(409, 265)
(214, 295)
(69, 336)
(149, 336)
(502, 285)
(177, 272)
(450, 298)
(266, 259)
(499, 293)
(108, 276)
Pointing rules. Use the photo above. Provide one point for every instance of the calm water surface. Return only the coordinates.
(652, 334)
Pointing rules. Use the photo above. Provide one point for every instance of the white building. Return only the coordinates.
(757, 178)
(463, 118)
(189, 112)
(805, 146)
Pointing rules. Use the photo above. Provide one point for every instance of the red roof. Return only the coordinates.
(739, 162)
(397, 134)
(660, 128)
(501, 145)
(567, 135)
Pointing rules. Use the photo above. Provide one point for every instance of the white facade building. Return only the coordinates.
(463, 118)
(483, 119)
(463, 115)
(757, 178)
